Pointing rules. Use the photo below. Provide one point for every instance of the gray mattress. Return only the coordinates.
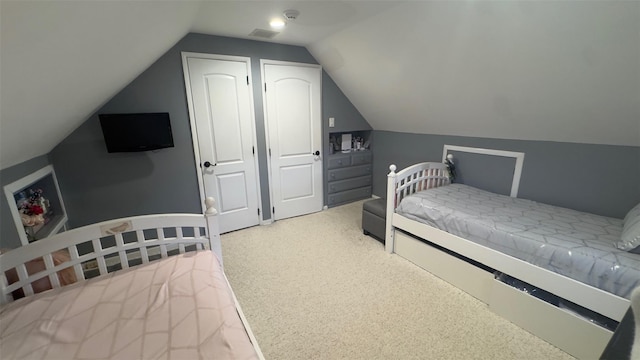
(572, 243)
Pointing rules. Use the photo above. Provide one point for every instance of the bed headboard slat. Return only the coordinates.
(105, 247)
(198, 234)
(144, 254)
(180, 238)
(77, 266)
(97, 249)
(121, 252)
(163, 246)
(24, 276)
(49, 265)
(4, 283)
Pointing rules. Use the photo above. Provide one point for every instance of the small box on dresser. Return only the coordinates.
(349, 177)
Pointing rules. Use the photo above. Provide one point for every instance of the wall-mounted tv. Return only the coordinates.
(136, 132)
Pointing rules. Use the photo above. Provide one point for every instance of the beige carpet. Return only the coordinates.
(314, 287)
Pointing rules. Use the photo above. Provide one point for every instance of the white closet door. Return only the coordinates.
(292, 96)
(221, 106)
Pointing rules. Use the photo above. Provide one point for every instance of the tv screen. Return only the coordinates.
(136, 132)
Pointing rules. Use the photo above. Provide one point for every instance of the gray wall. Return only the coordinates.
(347, 119)
(335, 104)
(98, 185)
(601, 179)
(8, 233)
(471, 169)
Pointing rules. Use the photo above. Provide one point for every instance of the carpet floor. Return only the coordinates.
(315, 287)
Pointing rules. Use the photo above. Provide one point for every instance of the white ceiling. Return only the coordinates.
(555, 71)
(317, 19)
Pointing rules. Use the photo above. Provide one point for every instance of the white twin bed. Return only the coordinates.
(540, 266)
(142, 287)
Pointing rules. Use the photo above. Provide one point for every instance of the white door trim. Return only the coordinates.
(192, 119)
(264, 62)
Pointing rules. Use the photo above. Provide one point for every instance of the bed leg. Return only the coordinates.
(389, 241)
(391, 200)
(213, 228)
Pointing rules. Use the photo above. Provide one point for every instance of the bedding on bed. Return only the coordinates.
(575, 244)
(179, 307)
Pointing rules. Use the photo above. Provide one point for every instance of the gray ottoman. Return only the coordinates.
(374, 214)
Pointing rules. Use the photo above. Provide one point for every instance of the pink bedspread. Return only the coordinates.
(177, 308)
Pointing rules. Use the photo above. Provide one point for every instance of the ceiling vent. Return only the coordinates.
(262, 33)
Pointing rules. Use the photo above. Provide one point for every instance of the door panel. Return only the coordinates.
(233, 197)
(292, 188)
(294, 129)
(294, 117)
(222, 94)
(221, 103)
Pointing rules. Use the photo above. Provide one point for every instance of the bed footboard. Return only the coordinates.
(101, 248)
(410, 180)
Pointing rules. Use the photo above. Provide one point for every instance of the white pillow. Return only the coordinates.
(633, 213)
(630, 238)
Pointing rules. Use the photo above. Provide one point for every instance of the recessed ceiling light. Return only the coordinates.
(277, 23)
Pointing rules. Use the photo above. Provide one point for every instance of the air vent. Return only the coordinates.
(267, 34)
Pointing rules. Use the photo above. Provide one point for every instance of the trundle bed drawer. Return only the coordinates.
(474, 280)
(571, 333)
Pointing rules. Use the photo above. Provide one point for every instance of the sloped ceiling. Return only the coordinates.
(556, 71)
(61, 60)
(547, 70)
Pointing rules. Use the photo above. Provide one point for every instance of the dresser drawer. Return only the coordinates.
(338, 161)
(361, 157)
(346, 173)
(342, 185)
(349, 195)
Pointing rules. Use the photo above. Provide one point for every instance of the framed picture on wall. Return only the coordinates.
(36, 205)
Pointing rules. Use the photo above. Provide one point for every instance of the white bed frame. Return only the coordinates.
(573, 334)
(206, 235)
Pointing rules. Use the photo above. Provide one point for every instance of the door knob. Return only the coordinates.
(207, 164)
(317, 153)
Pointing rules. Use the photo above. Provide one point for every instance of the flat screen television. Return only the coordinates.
(136, 132)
